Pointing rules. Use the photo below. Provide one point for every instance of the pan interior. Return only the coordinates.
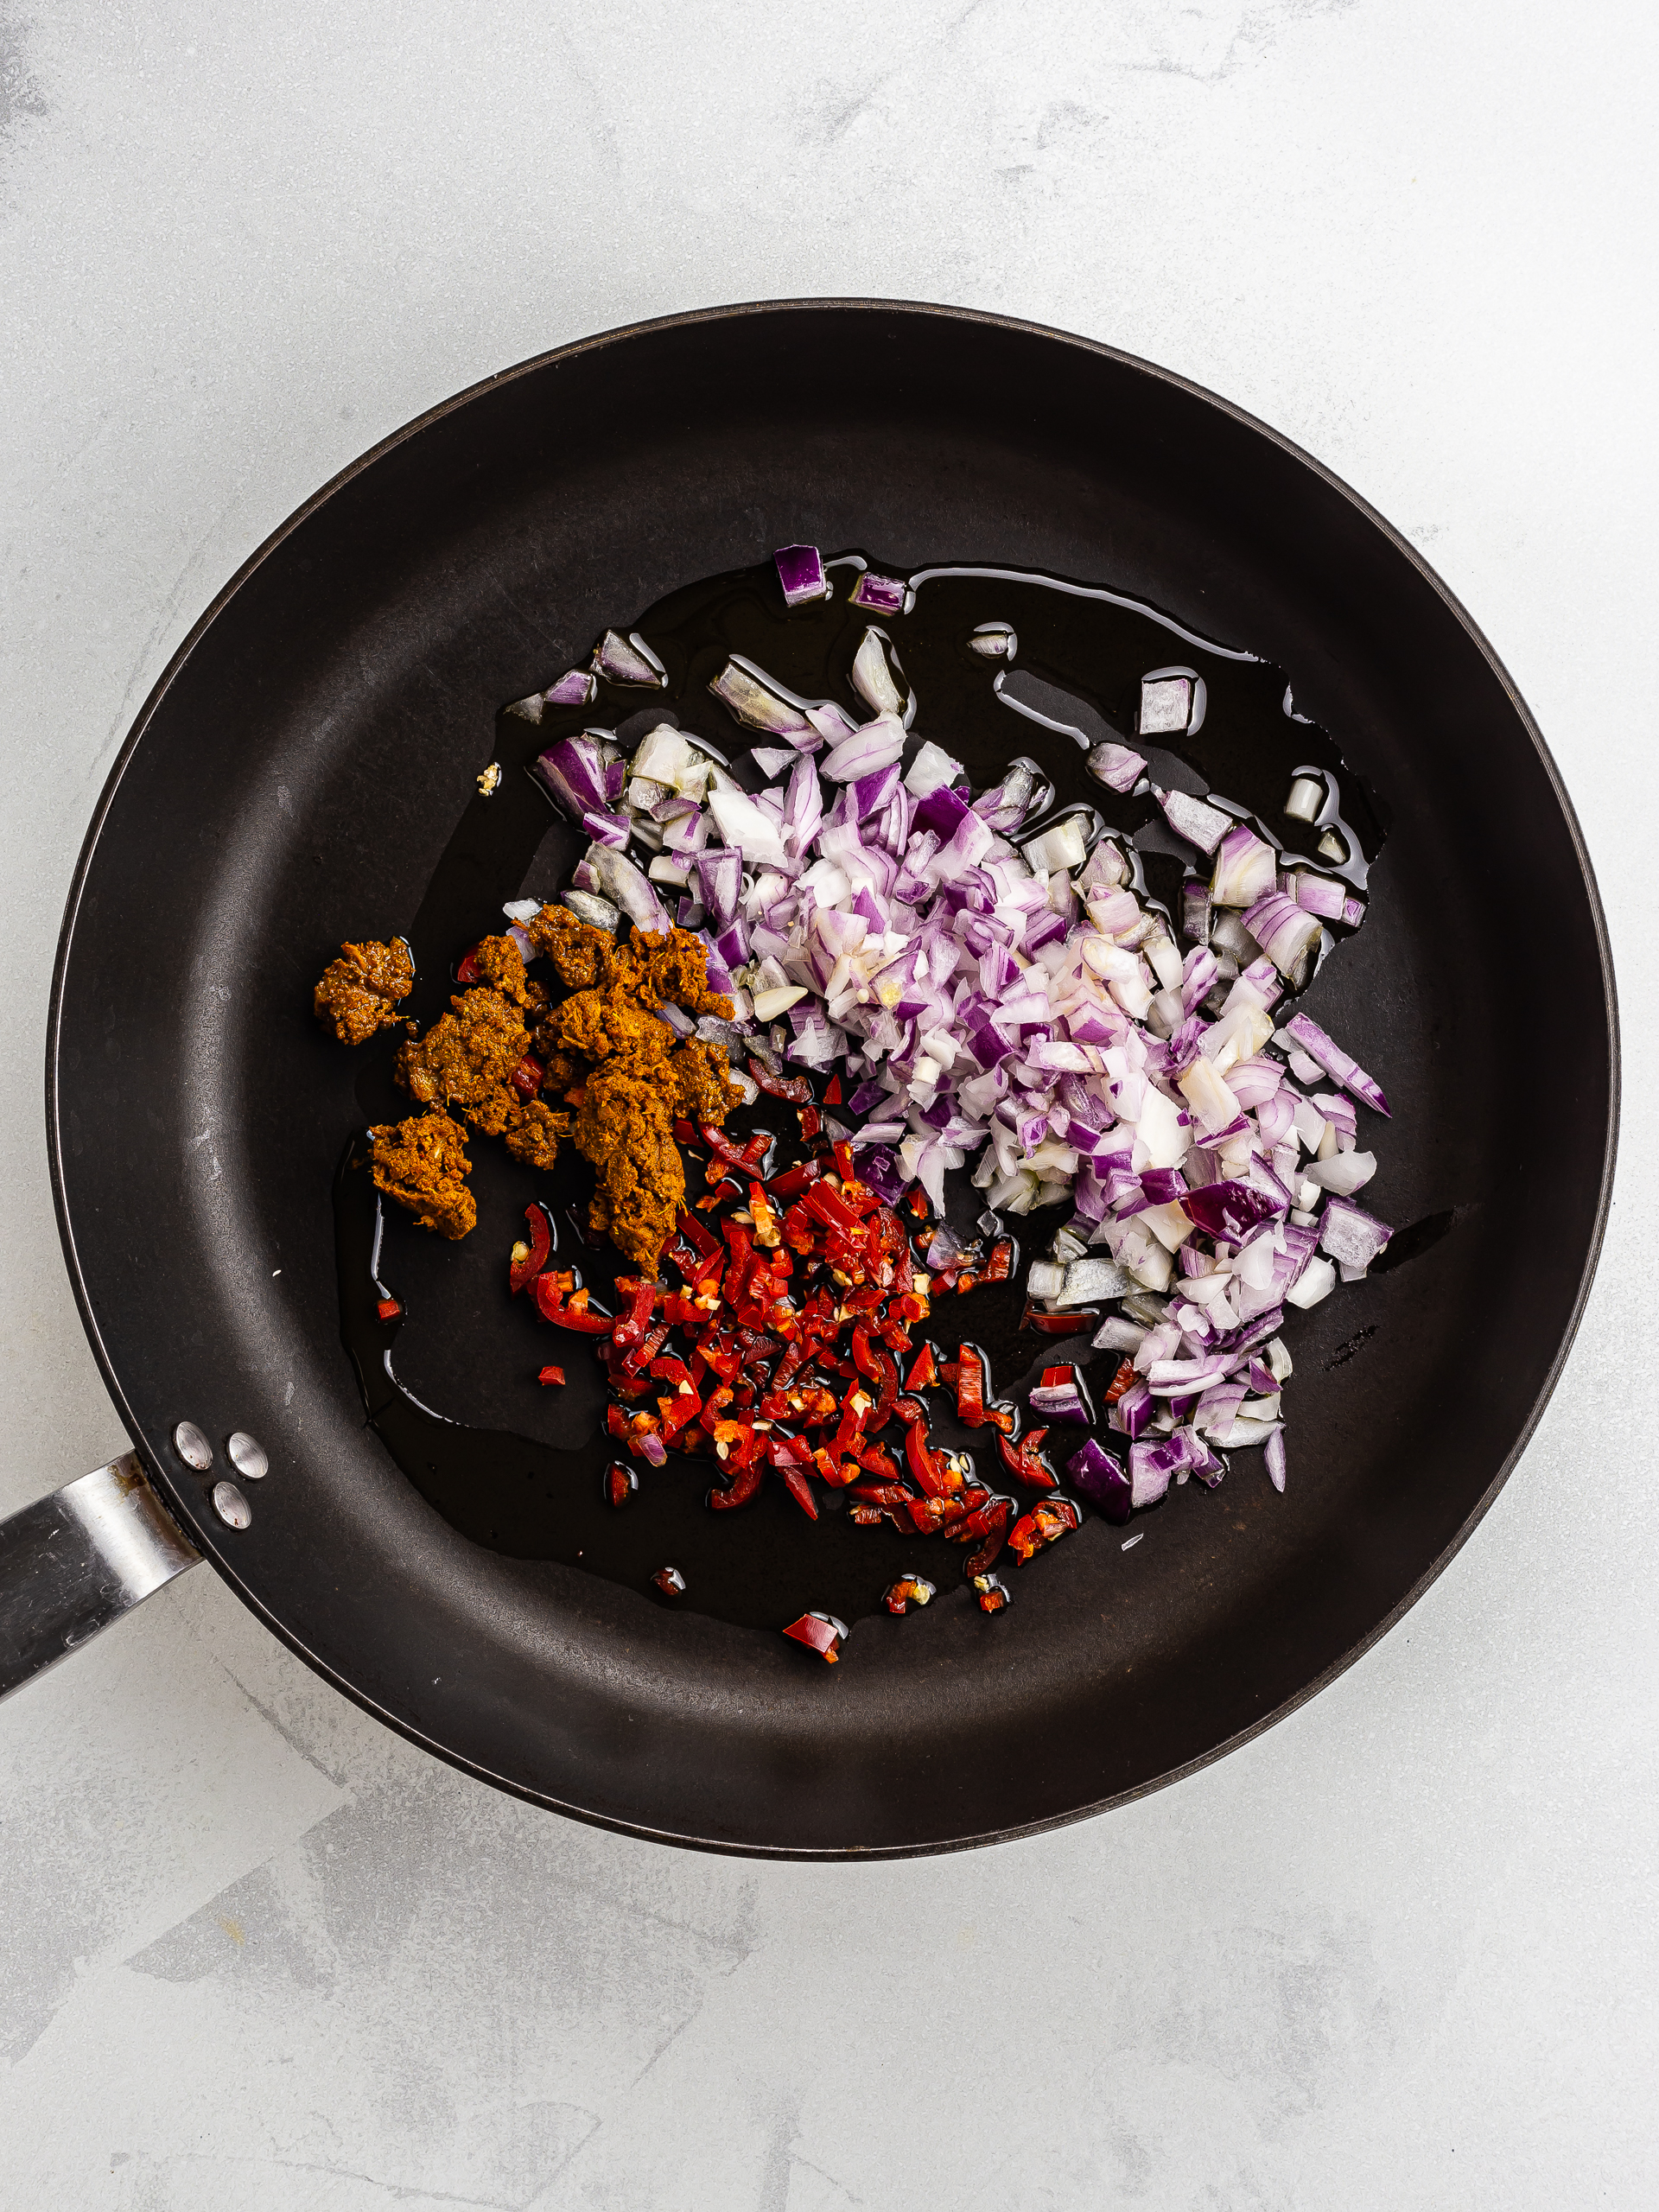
(296, 781)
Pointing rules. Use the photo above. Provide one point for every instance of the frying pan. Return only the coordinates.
(293, 780)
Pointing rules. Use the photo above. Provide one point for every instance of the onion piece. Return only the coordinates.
(1340, 1067)
(1167, 705)
(1345, 1174)
(881, 594)
(800, 571)
(588, 907)
(875, 673)
(1246, 869)
(756, 704)
(1287, 933)
(1201, 825)
(1351, 1235)
(931, 767)
(620, 881)
(877, 745)
(572, 773)
(1307, 799)
(1116, 767)
(628, 661)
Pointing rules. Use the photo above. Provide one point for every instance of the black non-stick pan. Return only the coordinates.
(294, 780)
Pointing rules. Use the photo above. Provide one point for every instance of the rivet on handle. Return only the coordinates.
(247, 1455)
(192, 1446)
(231, 1507)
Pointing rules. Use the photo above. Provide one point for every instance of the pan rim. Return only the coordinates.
(687, 320)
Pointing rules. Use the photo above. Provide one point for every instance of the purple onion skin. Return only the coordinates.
(1227, 1210)
(1102, 1480)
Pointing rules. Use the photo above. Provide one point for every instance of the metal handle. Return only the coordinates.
(76, 1561)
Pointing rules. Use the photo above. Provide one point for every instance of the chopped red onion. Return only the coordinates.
(1307, 799)
(1028, 1011)
(1100, 1477)
(573, 773)
(932, 768)
(1285, 931)
(1246, 869)
(881, 594)
(1351, 1235)
(876, 673)
(1320, 894)
(629, 661)
(615, 875)
(1339, 1065)
(800, 571)
(1166, 704)
(588, 907)
(1274, 1456)
(1201, 825)
(877, 745)
(1116, 767)
(756, 704)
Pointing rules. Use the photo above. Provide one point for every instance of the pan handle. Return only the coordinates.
(76, 1561)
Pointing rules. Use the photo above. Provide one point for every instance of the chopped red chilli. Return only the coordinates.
(819, 1632)
(909, 1590)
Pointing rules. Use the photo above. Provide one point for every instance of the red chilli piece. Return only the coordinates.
(466, 966)
(526, 1078)
(530, 1254)
(832, 1091)
(388, 1309)
(924, 1374)
(909, 1590)
(997, 1517)
(800, 1490)
(796, 1089)
(1000, 1266)
(1044, 1524)
(1025, 1462)
(992, 1593)
(971, 1365)
(555, 1304)
(1122, 1382)
(670, 1581)
(551, 1374)
(1058, 1324)
(621, 1484)
(819, 1632)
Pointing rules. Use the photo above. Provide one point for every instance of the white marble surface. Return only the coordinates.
(256, 1952)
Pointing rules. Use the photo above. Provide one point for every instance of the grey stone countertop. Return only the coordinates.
(255, 1951)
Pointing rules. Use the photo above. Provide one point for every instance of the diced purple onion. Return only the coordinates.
(800, 571)
(1274, 1456)
(881, 594)
(1101, 1479)
(1340, 1067)
(573, 771)
(1116, 767)
(629, 661)
(575, 687)
(1201, 825)
(1228, 1211)
(617, 878)
(1351, 1235)
(756, 704)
